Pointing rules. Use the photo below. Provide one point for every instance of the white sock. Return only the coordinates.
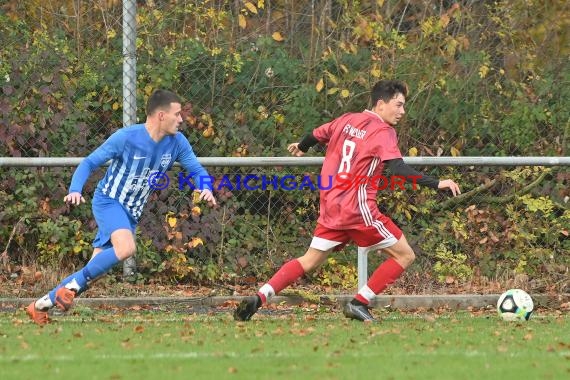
(44, 303)
(268, 291)
(366, 293)
(73, 285)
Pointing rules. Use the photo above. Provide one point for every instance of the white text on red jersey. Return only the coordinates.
(353, 132)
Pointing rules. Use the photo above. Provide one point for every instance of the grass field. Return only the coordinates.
(297, 344)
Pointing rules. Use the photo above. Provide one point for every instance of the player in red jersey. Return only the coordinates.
(359, 145)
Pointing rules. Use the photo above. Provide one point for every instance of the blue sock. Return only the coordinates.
(97, 266)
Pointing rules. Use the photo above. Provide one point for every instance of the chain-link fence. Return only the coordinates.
(258, 75)
(266, 215)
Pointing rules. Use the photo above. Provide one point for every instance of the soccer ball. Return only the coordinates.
(515, 305)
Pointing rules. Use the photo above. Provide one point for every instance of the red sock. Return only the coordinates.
(384, 275)
(285, 276)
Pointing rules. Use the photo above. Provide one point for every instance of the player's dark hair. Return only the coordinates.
(161, 99)
(387, 89)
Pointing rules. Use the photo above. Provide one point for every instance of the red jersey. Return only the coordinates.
(358, 143)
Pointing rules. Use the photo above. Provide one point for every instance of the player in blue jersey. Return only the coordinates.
(137, 154)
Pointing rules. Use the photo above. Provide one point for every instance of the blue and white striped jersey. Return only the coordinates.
(135, 156)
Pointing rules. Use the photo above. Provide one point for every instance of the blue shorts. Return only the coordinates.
(110, 216)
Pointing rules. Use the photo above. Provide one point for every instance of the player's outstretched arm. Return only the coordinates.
(74, 198)
(451, 185)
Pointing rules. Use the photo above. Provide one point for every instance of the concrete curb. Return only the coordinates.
(400, 302)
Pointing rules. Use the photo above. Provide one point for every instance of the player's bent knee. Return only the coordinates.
(308, 265)
(124, 243)
(312, 259)
(411, 256)
(126, 250)
(406, 258)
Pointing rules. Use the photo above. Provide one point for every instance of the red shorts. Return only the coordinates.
(368, 238)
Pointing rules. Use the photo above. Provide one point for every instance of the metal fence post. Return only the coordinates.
(129, 62)
(129, 90)
(362, 268)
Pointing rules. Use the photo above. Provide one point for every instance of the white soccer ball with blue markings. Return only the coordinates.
(515, 305)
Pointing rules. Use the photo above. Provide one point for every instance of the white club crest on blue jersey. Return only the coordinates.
(165, 160)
